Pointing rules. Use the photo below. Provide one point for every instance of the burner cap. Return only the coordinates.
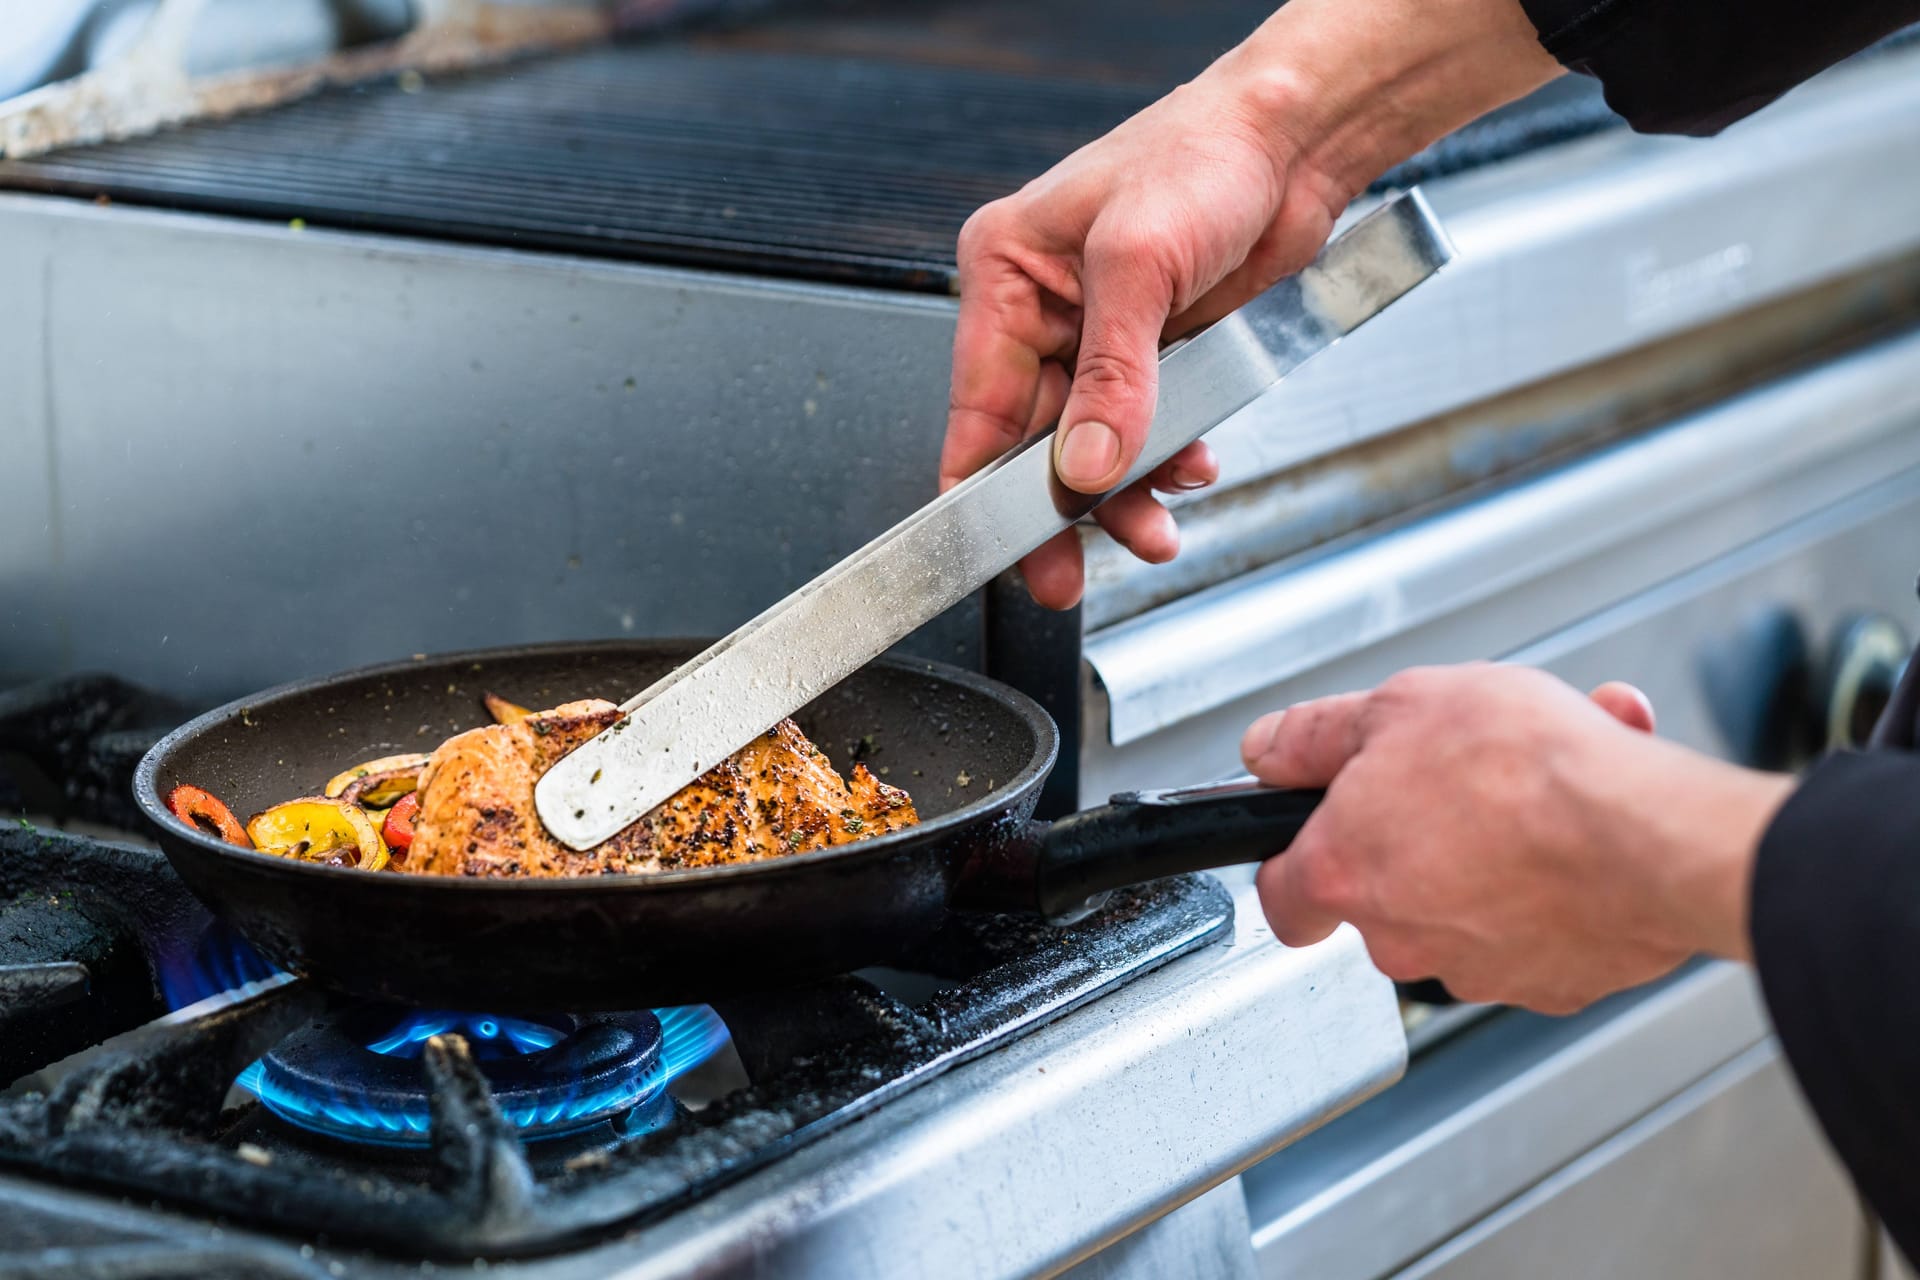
(359, 1077)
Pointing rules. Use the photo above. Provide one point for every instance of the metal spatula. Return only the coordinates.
(771, 667)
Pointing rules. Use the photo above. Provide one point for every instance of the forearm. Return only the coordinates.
(1670, 834)
(1349, 88)
(1697, 824)
(1356, 86)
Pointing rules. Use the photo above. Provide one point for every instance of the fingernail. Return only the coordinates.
(1259, 737)
(1088, 454)
(1186, 482)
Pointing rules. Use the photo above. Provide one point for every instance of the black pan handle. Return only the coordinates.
(1144, 835)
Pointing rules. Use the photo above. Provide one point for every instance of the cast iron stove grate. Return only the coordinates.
(151, 1112)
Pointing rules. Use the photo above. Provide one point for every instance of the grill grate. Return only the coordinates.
(846, 143)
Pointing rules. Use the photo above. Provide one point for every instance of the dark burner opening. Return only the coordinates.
(358, 1077)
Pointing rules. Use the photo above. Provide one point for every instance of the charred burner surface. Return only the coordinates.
(95, 936)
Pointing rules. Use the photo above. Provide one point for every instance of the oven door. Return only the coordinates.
(1751, 567)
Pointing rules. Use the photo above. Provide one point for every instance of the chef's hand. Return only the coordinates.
(1490, 827)
(1183, 213)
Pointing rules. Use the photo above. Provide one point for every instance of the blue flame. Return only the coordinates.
(219, 960)
(487, 1035)
(335, 1115)
(408, 1126)
(690, 1036)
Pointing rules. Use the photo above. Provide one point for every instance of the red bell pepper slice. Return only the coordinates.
(397, 831)
(203, 811)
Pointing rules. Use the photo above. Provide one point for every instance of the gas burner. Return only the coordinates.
(358, 1077)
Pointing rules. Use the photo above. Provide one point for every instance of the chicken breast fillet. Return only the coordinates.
(776, 795)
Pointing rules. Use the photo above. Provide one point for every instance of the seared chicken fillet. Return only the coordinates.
(776, 795)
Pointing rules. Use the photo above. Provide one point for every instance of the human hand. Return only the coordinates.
(1490, 827)
(1180, 215)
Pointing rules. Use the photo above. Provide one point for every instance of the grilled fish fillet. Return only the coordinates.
(776, 795)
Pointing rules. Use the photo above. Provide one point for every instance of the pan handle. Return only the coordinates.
(1144, 835)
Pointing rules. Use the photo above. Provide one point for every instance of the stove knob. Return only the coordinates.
(1755, 678)
(1864, 662)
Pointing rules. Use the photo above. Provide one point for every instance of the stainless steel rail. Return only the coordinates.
(1492, 442)
(1574, 541)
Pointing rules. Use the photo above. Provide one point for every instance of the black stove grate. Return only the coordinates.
(68, 746)
(86, 930)
(845, 142)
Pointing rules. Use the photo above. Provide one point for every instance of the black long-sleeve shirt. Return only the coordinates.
(1836, 885)
(1696, 66)
(1836, 937)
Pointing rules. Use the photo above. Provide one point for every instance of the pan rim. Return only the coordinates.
(146, 790)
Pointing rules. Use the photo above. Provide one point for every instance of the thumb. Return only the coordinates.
(1306, 745)
(1126, 299)
(1626, 704)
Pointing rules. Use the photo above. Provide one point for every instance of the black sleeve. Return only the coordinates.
(1696, 66)
(1836, 937)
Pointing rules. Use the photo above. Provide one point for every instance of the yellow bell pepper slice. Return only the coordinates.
(380, 789)
(385, 764)
(319, 829)
(504, 712)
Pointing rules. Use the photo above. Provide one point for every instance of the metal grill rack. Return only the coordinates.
(842, 143)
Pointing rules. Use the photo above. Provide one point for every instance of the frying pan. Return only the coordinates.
(972, 753)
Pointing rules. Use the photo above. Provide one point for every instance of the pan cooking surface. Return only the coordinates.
(947, 745)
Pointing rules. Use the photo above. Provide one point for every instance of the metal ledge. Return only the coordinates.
(1764, 1199)
(1487, 1116)
(1606, 528)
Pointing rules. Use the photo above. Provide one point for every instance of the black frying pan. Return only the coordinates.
(972, 753)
